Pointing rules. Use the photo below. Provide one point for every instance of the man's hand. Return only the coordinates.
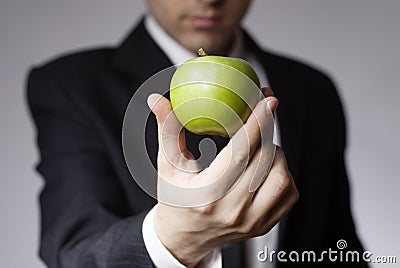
(191, 233)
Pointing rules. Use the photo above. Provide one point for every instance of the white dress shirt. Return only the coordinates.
(160, 256)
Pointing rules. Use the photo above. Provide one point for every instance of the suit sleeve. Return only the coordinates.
(84, 217)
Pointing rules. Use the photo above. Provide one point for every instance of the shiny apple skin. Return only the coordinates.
(214, 95)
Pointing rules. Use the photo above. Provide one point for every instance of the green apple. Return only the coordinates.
(214, 95)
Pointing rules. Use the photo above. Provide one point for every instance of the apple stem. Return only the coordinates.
(201, 52)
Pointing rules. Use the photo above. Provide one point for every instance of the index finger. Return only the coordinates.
(171, 137)
(232, 161)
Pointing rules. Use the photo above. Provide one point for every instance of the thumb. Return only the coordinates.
(167, 122)
(170, 132)
(160, 106)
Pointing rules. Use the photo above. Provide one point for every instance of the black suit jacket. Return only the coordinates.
(91, 209)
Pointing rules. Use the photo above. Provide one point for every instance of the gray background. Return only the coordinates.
(356, 41)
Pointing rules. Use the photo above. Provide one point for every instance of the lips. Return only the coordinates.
(205, 22)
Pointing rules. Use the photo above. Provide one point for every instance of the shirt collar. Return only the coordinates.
(177, 53)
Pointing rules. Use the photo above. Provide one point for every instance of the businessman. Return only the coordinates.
(94, 215)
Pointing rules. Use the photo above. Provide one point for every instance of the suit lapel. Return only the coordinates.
(139, 56)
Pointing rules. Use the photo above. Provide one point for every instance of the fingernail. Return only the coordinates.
(269, 105)
(152, 100)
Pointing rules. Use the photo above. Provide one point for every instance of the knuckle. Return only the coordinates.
(233, 219)
(253, 227)
(206, 210)
(262, 230)
(240, 158)
(247, 229)
(296, 195)
(282, 183)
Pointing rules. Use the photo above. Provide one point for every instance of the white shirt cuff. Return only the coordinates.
(160, 255)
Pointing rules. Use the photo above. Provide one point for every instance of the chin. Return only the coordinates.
(217, 44)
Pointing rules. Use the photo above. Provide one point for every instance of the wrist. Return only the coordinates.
(187, 247)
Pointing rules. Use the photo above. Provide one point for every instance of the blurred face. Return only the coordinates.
(209, 24)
